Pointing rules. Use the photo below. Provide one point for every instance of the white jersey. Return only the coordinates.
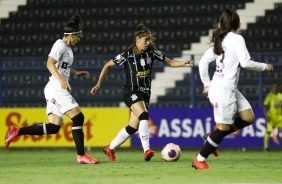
(64, 56)
(58, 99)
(228, 64)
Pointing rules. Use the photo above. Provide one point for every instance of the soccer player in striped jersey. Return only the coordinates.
(230, 53)
(272, 108)
(138, 63)
(59, 101)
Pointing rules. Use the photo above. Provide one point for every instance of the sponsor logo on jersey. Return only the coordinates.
(120, 59)
(143, 73)
(64, 65)
(159, 53)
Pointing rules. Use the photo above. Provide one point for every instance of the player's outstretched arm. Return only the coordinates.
(78, 73)
(103, 73)
(175, 63)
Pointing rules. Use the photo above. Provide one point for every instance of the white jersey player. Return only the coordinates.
(230, 54)
(59, 101)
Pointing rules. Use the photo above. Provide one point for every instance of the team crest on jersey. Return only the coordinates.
(148, 61)
(216, 106)
(53, 100)
(134, 97)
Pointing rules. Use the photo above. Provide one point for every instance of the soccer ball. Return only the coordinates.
(171, 152)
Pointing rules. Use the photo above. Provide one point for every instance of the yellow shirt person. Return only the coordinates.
(273, 114)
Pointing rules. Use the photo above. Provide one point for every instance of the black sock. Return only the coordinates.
(38, 129)
(216, 137)
(77, 133)
(239, 123)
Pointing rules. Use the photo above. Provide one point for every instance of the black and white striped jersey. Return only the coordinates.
(138, 68)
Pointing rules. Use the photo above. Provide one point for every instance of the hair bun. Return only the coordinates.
(76, 19)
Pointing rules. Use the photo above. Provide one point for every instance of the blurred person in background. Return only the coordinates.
(232, 111)
(59, 101)
(138, 63)
(272, 108)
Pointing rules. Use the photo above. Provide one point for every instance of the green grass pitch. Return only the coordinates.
(57, 166)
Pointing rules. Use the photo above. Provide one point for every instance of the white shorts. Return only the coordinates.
(227, 102)
(58, 100)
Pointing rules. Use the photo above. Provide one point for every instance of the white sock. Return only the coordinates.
(121, 137)
(144, 134)
(200, 158)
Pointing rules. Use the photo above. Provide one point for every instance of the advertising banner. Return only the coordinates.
(100, 126)
(186, 126)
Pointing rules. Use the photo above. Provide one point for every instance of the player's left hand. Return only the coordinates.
(81, 73)
(188, 62)
(206, 90)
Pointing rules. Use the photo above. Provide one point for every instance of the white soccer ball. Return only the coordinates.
(171, 152)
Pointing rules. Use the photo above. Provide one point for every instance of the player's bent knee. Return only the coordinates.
(144, 116)
(52, 128)
(130, 130)
(249, 119)
(78, 120)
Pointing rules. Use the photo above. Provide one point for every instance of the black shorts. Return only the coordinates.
(132, 97)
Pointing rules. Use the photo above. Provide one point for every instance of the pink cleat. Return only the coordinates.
(110, 153)
(86, 159)
(11, 135)
(148, 155)
(200, 165)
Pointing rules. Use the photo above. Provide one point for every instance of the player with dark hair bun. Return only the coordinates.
(232, 111)
(59, 101)
(138, 63)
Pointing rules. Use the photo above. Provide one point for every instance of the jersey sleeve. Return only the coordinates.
(57, 51)
(244, 57)
(158, 55)
(120, 59)
(206, 59)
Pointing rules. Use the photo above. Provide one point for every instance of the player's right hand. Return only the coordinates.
(269, 68)
(95, 89)
(65, 84)
(206, 90)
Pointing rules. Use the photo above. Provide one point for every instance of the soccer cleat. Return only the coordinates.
(110, 153)
(148, 155)
(266, 149)
(275, 138)
(200, 165)
(86, 159)
(11, 135)
(205, 136)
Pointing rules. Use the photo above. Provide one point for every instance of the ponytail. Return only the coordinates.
(228, 20)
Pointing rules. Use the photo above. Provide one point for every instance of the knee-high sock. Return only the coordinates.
(39, 129)
(121, 137)
(144, 134)
(77, 133)
(238, 124)
(212, 143)
(266, 140)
